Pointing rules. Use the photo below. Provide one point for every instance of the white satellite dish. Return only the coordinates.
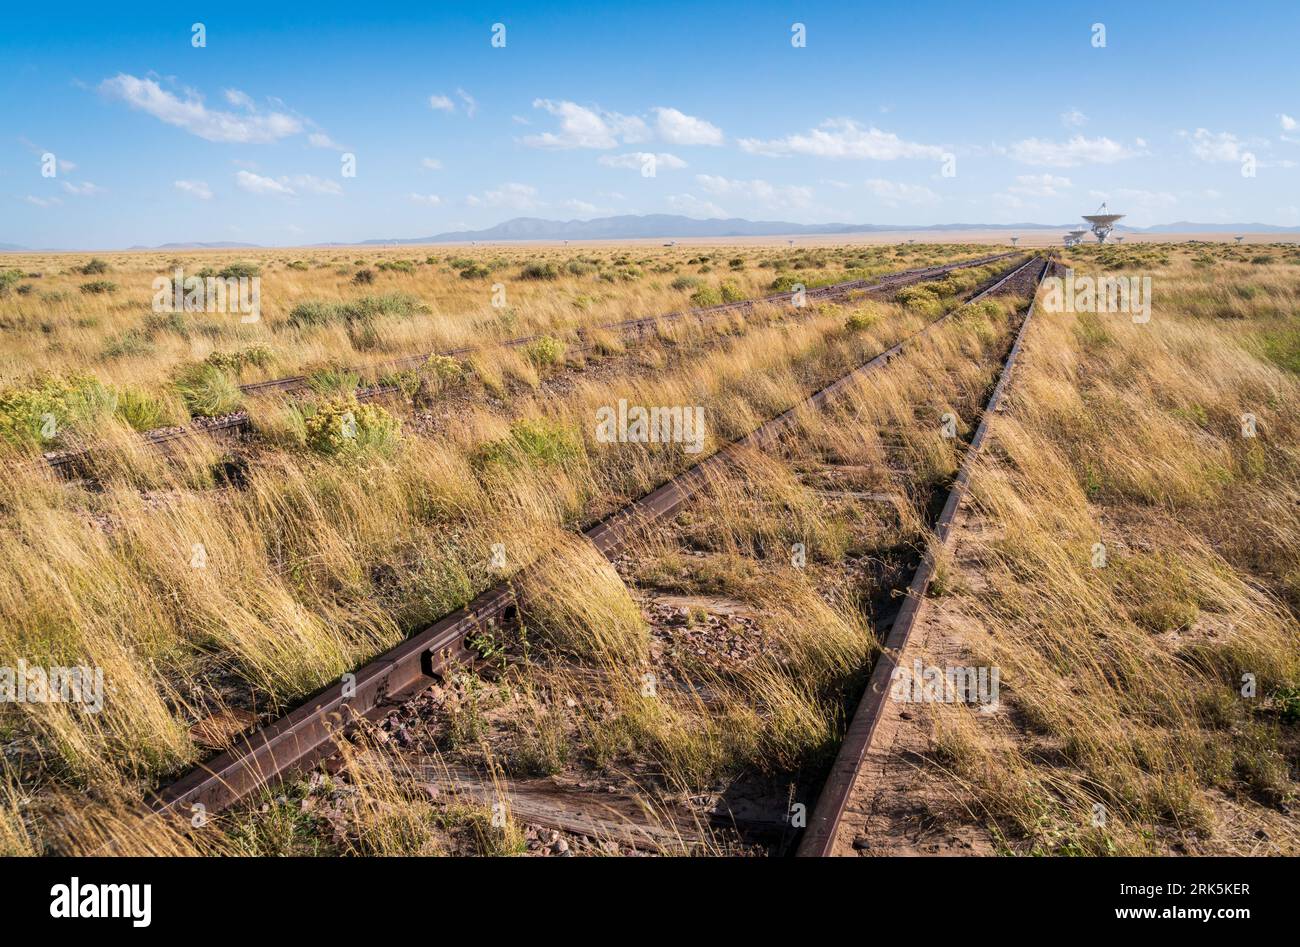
(1102, 223)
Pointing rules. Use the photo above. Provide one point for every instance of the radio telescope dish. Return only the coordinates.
(1014, 241)
(1239, 238)
(1102, 223)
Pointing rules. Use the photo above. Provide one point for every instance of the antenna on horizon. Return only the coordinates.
(1239, 237)
(1015, 240)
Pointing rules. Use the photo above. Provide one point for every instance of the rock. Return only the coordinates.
(560, 847)
(861, 843)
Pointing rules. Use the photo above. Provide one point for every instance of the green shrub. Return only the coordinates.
(581, 268)
(530, 443)
(239, 270)
(206, 390)
(143, 411)
(7, 279)
(860, 320)
(128, 344)
(95, 267)
(786, 283)
(706, 296)
(544, 351)
(37, 414)
(921, 300)
(157, 322)
(342, 427)
(539, 271)
(685, 282)
(234, 362)
(398, 266)
(319, 313)
(99, 286)
(474, 271)
(731, 293)
(313, 313)
(296, 265)
(364, 277)
(436, 374)
(333, 379)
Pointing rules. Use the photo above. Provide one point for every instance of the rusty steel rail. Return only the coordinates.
(239, 421)
(304, 736)
(820, 835)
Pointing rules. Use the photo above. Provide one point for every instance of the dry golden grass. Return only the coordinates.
(1127, 681)
(194, 598)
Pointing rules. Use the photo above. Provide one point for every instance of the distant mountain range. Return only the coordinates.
(645, 226)
(224, 245)
(666, 226)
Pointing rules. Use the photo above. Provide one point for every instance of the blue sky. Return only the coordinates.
(245, 139)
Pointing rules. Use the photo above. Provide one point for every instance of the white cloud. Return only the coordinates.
(681, 129)
(1078, 150)
(777, 196)
(43, 201)
(692, 206)
(579, 207)
(313, 184)
(238, 99)
(86, 189)
(1289, 124)
(635, 160)
(432, 200)
(582, 127)
(471, 107)
(1073, 118)
(197, 189)
(512, 195)
(1214, 146)
(1131, 197)
(441, 103)
(256, 184)
(251, 127)
(1039, 185)
(431, 164)
(895, 193)
(843, 138)
(322, 140)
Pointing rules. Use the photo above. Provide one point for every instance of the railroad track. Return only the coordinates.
(820, 838)
(309, 733)
(68, 462)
